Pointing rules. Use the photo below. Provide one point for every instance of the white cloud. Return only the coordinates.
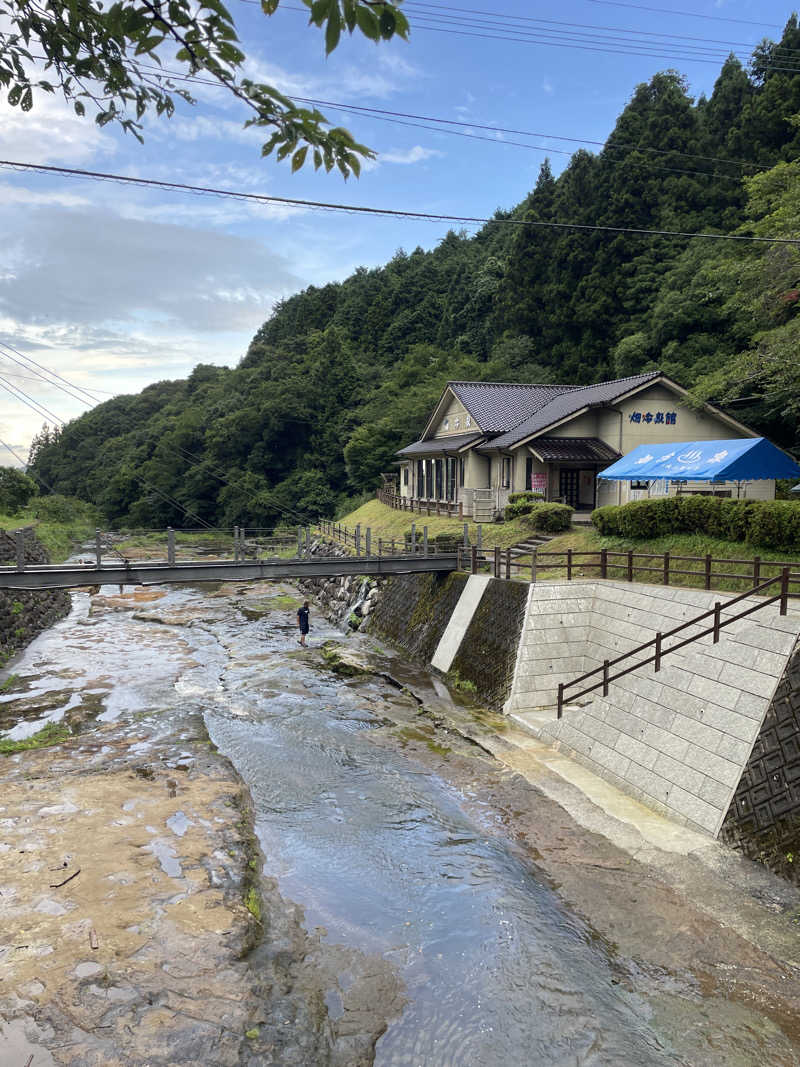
(547, 86)
(50, 133)
(417, 154)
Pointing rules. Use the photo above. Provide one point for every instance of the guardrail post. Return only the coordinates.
(479, 537)
(708, 571)
(603, 562)
(380, 547)
(657, 664)
(717, 613)
(569, 564)
(393, 551)
(357, 535)
(299, 541)
(236, 545)
(533, 566)
(413, 537)
(474, 559)
(666, 568)
(424, 540)
(466, 535)
(560, 699)
(605, 677)
(784, 589)
(98, 547)
(497, 561)
(630, 565)
(508, 564)
(308, 542)
(170, 546)
(19, 537)
(756, 570)
(368, 543)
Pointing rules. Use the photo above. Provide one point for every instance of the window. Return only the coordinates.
(420, 478)
(456, 422)
(405, 477)
(640, 485)
(461, 473)
(439, 495)
(468, 421)
(446, 424)
(506, 473)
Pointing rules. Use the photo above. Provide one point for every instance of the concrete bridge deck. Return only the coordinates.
(159, 572)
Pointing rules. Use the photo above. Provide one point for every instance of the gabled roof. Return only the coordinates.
(572, 449)
(449, 445)
(569, 401)
(499, 406)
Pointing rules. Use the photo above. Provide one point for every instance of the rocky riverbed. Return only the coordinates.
(250, 853)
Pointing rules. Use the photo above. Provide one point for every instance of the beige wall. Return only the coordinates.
(454, 413)
(689, 425)
(583, 426)
(476, 471)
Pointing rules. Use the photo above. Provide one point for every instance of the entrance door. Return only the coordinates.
(586, 490)
(569, 486)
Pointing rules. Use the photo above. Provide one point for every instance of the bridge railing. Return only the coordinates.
(416, 541)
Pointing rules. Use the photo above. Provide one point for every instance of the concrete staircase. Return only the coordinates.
(678, 739)
(529, 546)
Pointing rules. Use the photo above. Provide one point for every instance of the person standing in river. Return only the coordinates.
(302, 622)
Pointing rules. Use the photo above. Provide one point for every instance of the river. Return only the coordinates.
(391, 856)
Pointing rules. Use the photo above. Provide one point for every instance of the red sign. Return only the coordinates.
(539, 484)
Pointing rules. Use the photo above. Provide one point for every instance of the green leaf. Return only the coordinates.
(368, 23)
(79, 108)
(299, 158)
(387, 23)
(26, 103)
(333, 31)
(14, 95)
(269, 7)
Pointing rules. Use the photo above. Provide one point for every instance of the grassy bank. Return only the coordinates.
(58, 538)
(387, 523)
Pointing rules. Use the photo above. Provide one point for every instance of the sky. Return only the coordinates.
(114, 287)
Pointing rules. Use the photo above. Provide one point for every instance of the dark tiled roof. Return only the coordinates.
(438, 445)
(567, 449)
(567, 402)
(499, 406)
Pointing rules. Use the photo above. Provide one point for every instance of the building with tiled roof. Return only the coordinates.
(486, 440)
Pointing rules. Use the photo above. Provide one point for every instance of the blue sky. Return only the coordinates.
(115, 287)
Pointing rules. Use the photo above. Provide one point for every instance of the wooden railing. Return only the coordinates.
(446, 508)
(663, 568)
(783, 580)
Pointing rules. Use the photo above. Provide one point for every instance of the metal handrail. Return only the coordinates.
(785, 577)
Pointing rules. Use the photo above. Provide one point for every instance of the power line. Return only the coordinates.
(376, 111)
(29, 402)
(54, 374)
(375, 212)
(507, 16)
(686, 14)
(67, 388)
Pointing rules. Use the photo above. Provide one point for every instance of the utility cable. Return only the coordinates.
(375, 212)
(42, 377)
(52, 373)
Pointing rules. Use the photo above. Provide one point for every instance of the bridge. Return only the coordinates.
(241, 568)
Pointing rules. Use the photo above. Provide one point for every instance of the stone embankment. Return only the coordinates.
(25, 614)
(347, 602)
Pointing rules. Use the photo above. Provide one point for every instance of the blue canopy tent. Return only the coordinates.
(739, 460)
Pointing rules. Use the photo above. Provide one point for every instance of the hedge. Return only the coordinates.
(522, 504)
(769, 523)
(552, 518)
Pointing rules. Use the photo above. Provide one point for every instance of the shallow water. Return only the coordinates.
(383, 855)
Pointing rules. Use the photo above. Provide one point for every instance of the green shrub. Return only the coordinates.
(66, 509)
(769, 523)
(552, 518)
(606, 519)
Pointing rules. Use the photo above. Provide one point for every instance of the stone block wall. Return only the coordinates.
(763, 819)
(679, 738)
(487, 654)
(24, 614)
(414, 610)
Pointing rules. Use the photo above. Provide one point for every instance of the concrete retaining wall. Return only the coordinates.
(679, 738)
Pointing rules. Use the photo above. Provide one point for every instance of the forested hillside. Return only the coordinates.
(341, 376)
